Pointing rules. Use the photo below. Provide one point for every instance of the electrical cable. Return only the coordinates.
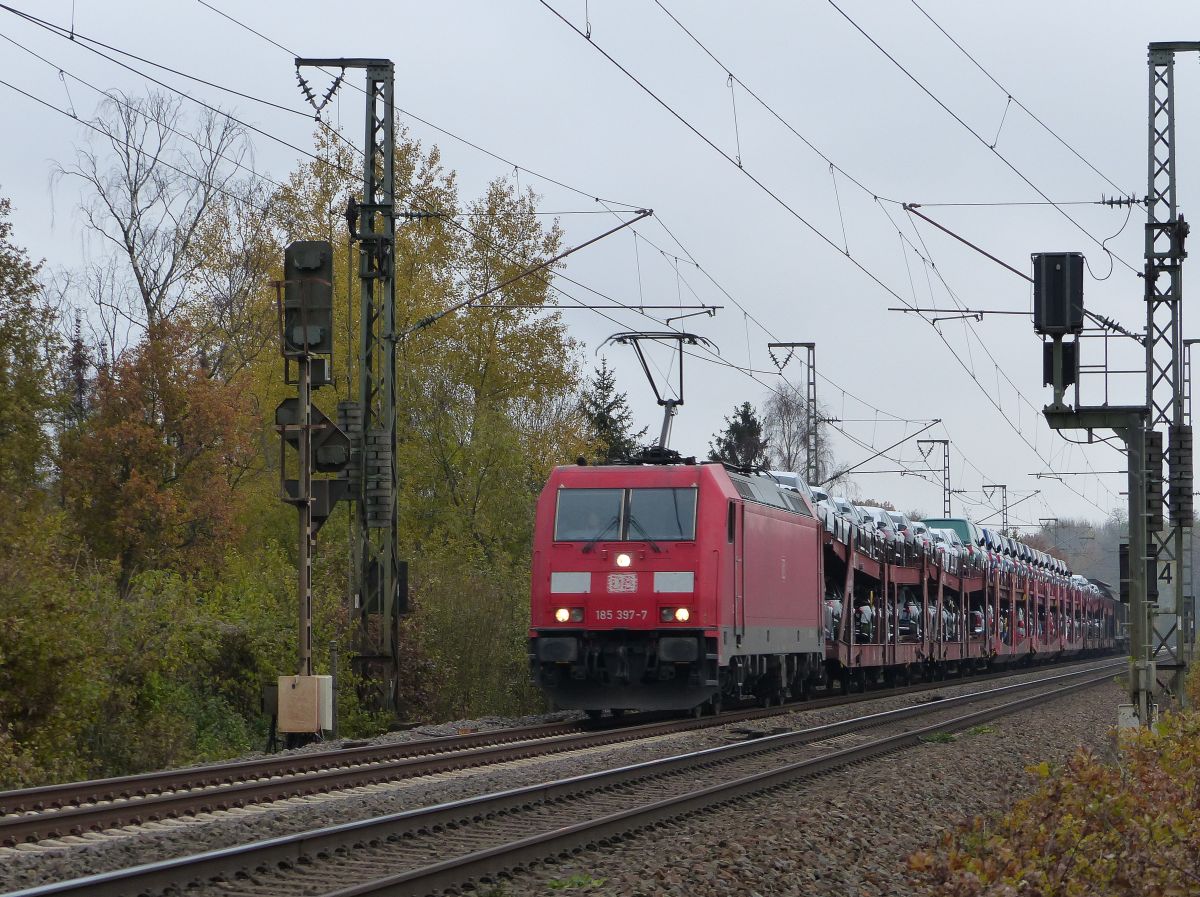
(762, 186)
(322, 160)
(971, 373)
(767, 106)
(325, 161)
(84, 42)
(165, 164)
(659, 219)
(266, 212)
(978, 136)
(58, 31)
(116, 98)
(1013, 99)
(427, 123)
(754, 179)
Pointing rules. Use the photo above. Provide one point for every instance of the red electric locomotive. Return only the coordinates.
(669, 586)
(664, 586)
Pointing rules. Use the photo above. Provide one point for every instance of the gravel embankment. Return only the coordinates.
(848, 833)
(54, 861)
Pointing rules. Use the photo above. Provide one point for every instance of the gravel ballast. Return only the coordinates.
(43, 863)
(848, 833)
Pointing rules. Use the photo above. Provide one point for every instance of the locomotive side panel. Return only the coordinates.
(782, 571)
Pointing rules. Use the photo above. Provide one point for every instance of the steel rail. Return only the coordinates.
(142, 784)
(131, 800)
(456, 871)
(294, 849)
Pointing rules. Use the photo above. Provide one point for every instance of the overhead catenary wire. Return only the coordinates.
(832, 165)
(1014, 100)
(323, 160)
(59, 31)
(264, 211)
(87, 43)
(791, 210)
(754, 179)
(706, 273)
(409, 114)
(233, 196)
(983, 140)
(767, 106)
(970, 371)
(658, 218)
(120, 101)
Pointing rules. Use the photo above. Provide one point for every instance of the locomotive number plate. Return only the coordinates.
(621, 615)
(622, 583)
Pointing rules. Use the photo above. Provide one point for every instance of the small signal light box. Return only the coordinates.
(1057, 293)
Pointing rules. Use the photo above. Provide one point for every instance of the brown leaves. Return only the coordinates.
(1093, 828)
(149, 474)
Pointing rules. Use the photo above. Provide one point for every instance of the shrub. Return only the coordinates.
(1092, 828)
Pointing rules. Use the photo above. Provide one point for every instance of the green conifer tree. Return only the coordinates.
(609, 418)
(741, 443)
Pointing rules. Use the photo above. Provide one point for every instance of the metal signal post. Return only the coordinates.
(306, 335)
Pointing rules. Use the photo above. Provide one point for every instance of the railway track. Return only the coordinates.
(429, 849)
(38, 814)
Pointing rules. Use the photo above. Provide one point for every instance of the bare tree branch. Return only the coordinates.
(151, 182)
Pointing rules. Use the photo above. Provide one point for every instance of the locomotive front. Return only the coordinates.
(623, 604)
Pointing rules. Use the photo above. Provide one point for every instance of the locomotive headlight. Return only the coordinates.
(682, 614)
(624, 560)
(563, 615)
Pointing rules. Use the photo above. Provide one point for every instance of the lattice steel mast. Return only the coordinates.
(1166, 232)
(372, 424)
(946, 490)
(812, 445)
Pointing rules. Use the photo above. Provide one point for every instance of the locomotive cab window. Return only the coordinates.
(587, 514)
(661, 515)
(626, 515)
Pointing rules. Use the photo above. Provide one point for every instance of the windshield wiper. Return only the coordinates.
(600, 535)
(633, 522)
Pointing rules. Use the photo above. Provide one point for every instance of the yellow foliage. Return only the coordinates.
(1092, 828)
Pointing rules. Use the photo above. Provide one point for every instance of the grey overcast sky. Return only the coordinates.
(513, 78)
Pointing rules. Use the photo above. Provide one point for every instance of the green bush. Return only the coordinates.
(472, 624)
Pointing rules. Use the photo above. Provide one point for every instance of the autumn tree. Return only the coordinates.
(741, 443)
(609, 418)
(472, 466)
(486, 405)
(29, 353)
(231, 261)
(150, 475)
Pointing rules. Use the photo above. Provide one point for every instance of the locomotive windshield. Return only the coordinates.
(662, 515)
(624, 515)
